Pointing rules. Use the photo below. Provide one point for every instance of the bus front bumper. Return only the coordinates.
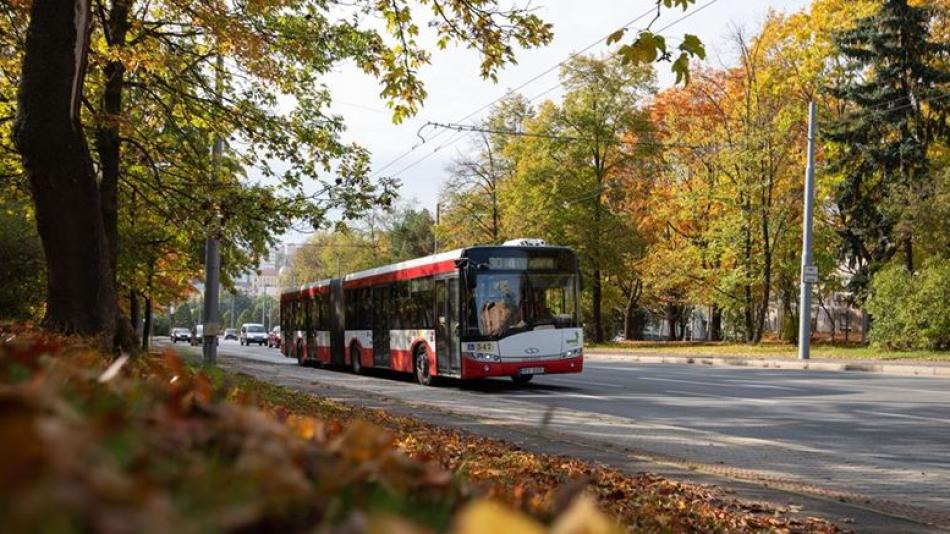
(472, 368)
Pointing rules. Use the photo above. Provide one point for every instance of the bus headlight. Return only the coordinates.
(486, 357)
(572, 353)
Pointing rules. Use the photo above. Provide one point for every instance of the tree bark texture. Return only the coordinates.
(81, 295)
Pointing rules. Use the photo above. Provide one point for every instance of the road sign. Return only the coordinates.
(810, 274)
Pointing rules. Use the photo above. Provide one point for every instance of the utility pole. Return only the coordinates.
(212, 247)
(809, 274)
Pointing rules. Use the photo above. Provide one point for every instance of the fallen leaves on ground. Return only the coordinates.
(149, 444)
(543, 485)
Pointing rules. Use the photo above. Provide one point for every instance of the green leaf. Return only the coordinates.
(692, 46)
(681, 68)
(645, 49)
(616, 36)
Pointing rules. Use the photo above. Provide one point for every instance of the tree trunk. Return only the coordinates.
(766, 295)
(134, 318)
(80, 293)
(715, 324)
(628, 318)
(596, 298)
(147, 323)
(108, 139)
(671, 322)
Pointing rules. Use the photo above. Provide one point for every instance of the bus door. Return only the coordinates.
(381, 310)
(447, 325)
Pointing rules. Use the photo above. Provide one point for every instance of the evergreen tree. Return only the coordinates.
(897, 102)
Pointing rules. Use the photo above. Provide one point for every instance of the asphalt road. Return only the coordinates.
(880, 440)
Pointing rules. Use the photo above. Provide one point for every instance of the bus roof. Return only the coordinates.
(440, 263)
(431, 264)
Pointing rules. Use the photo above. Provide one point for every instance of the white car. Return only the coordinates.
(180, 334)
(253, 333)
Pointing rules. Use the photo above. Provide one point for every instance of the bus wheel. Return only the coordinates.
(355, 360)
(522, 379)
(422, 366)
(301, 361)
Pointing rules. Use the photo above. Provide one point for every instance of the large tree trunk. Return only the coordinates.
(108, 139)
(80, 294)
(109, 148)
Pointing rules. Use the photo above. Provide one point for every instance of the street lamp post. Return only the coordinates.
(809, 274)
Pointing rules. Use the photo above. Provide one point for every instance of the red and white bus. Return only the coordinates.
(508, 310)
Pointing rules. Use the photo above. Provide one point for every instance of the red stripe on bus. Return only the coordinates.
(409, 273)
(306, 292)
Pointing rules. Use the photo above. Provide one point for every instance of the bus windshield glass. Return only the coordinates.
(505, 303)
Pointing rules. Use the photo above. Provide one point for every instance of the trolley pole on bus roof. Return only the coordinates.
(809, 274)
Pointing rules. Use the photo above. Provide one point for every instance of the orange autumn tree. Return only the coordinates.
(732, 159)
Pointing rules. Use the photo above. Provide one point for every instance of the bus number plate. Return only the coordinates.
(531, 371)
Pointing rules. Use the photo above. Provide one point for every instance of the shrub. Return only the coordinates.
(22, 266)
(911, 311)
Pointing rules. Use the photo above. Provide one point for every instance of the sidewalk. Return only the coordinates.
(896, 368)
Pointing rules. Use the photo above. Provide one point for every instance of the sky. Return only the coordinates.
(455, 88)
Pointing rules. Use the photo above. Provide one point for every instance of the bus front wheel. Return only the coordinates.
(522, 379)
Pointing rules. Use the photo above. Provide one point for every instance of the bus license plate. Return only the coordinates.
(531, 371)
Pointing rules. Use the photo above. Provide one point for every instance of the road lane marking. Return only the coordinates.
(906, 416)
(740, 383)
(698, 382)
(582, 382)
(744, 399)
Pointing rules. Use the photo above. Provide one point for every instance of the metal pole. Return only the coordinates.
(212, 250)
(804, 306)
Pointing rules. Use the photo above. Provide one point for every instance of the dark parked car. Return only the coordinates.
(273, 338)
(180, 334)
(230, 333)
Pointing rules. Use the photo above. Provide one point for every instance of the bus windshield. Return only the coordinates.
(510, 302)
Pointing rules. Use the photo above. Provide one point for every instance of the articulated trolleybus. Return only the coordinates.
(508, 310)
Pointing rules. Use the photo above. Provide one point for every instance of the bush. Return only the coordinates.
(22, 266)
(911, 311)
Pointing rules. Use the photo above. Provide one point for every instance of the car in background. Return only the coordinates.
(198, 338)
(231, 333)
(253, 333)
(273, 338)
(198, 334)
(180, 334)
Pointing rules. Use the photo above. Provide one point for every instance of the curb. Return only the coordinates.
(895, 369)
